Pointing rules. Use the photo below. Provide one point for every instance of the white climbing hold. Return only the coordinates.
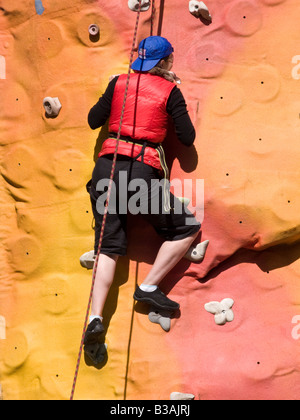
(181, 396)
(94, 30)
(199, 9)
(87, 260)
(134, 5)
(197, 254)
(52, 107)
(161, 317)
(222, 310)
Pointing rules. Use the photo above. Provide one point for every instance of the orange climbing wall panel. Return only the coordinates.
(241, 78)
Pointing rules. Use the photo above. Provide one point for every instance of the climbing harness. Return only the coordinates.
(107, 203)
(136, 149)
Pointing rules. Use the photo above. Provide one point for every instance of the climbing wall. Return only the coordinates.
(240, 77)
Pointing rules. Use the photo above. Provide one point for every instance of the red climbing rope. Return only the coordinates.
(107, 204)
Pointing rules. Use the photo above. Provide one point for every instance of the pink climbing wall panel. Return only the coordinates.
(240, 77)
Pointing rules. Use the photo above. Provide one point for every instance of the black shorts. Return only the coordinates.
(147, 199)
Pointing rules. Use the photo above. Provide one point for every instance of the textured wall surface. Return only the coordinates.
(240, 77)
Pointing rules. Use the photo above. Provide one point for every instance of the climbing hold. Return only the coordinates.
(134, 5)
(52, 107)
(199, 9)
(222, 310)
(87, 260)
(161, 317)
(94, 32)
(96, 352)
(39, 7)
(196, 254)
(94, 29)
(181, 396)
(2, 328)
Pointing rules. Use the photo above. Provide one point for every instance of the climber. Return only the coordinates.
(153, 98)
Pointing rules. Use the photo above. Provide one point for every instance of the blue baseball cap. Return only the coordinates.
(151, 51)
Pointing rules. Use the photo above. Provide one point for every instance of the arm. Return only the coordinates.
(100, 112)
(176, 108)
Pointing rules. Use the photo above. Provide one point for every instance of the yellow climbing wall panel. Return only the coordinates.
(240, 77)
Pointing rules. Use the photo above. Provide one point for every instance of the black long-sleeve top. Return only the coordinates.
(176, 108)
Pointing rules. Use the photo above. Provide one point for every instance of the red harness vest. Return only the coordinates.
(145, 116)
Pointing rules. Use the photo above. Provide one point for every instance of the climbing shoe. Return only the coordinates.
(93, 332)
(157, 299)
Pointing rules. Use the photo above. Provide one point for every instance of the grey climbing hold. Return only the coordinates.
(221, 310)
(87, 260)
(199, 9)
(52, 107)
(134, 5)
(197, 254)
(181, 396)
(161, 317)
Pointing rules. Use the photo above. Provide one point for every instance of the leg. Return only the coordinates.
(114, 241)
(179, 229)
(103, 281)
(169, 254)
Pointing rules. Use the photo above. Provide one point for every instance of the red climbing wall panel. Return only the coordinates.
(240, 77)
